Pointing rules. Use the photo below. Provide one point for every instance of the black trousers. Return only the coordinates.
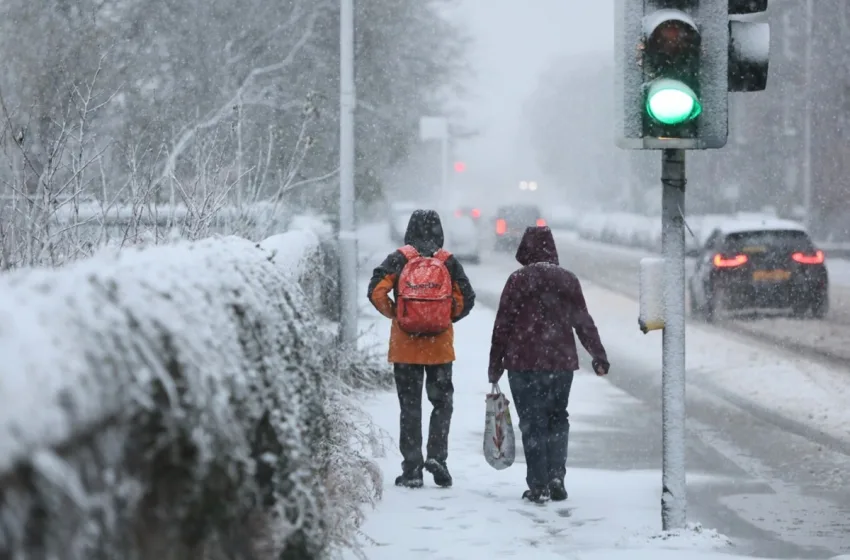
(440, 390)
(541, 400)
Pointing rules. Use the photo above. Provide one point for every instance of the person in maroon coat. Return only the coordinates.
(541, 305)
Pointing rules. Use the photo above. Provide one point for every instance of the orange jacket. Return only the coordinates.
(411, 349)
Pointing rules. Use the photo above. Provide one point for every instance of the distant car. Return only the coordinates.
(762, 264)
(463, 239)
(397, 217)
(470, 211)
(511, 222)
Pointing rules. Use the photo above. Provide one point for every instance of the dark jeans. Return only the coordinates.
(541, 400)
(440, 390)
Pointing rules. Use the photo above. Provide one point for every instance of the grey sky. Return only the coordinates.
(515, 41)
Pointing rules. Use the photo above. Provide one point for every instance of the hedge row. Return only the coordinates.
(169, 403)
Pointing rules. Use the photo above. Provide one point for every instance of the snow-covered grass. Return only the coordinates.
(610, 514)
(644, 233)
(35, 233)
(179, 402)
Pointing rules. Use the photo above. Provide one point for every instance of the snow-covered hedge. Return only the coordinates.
(170, 403)
(621, 228)
(644, 232)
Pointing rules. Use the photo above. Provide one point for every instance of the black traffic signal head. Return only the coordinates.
(671, 65)
(749, 47)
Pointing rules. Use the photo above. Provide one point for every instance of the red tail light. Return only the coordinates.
(541, 222)
(458, 213)
(476, 213)
(501, 226)
(803, 258)
(722, 262)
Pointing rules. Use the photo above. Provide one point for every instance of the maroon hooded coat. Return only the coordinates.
(540, 307)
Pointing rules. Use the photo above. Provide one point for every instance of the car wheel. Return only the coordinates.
(821, 307)
(716, 304)
(697, 312)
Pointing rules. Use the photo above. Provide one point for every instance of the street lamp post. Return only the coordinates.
(437, 128)
(347, 236)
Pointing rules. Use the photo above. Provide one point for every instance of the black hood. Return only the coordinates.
(537, 246)
(425, 232)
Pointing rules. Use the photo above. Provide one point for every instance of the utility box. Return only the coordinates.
(651, 294)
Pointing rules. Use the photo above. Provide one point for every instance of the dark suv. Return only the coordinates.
(760, 268)
(511, 222)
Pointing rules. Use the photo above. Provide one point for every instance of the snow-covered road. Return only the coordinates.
(766, 477)
(617, 268)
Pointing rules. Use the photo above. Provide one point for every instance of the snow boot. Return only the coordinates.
(536, 496)
(440, 471)
(557, 492)
(410, 480)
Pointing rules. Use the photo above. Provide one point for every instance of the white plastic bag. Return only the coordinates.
(499, 440)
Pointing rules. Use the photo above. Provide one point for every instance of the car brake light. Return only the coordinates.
(501, 226)
(803, 258)
(476, 213)
(541, 222)
(458, 213)
(722, 262)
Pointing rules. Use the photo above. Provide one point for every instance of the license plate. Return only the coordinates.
(771, 275)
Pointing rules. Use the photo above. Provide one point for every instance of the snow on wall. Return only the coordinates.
(160, 402)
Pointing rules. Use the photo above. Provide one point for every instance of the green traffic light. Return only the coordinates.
(671, 102)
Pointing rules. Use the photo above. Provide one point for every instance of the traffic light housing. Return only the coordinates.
(671, 65)
(749, 47)
(677, 61)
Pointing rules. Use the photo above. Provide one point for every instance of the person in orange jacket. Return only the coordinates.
(415, 356)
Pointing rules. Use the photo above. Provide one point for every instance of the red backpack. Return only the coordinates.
(424, 303)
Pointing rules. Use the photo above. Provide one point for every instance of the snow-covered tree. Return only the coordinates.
(188, 101)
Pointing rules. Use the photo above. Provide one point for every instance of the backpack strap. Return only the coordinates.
(409, 252)
(442, 255)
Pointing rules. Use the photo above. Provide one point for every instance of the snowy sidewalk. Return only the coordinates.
(610, 514)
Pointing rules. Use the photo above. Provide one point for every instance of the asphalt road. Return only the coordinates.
(783, 494)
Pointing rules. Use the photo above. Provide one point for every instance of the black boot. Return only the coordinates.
(536, 496)
(442, 476)
(557, 492)
(410, 480)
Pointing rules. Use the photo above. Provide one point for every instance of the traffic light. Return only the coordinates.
(671, 69)
(677, 61)
(460, 167)
(749, 47)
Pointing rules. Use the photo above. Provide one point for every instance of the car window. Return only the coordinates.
(783, 240)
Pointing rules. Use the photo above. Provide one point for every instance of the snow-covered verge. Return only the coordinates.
(644, 233)
(179, 401)
(35, 234)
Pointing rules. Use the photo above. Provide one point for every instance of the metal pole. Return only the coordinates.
(673, 499)
(807, 118)
(444, 206)
(347, 235)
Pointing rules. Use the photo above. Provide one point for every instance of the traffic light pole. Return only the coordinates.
(673, 498)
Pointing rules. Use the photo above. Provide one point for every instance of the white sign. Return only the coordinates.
(433, 128)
